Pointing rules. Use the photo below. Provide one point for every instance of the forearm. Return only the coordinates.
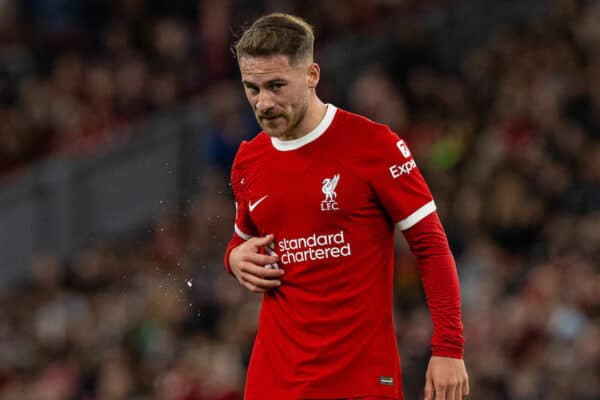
(437, 267)
(233, 243)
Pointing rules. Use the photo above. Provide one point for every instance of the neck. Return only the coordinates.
(314, 114)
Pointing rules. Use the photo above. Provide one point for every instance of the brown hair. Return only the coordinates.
(277, 34)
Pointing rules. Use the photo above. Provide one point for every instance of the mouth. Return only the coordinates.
(270, 117)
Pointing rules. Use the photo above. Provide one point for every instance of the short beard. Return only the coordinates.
(299, 110)
(302, 108)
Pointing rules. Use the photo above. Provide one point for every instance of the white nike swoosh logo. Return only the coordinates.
(253, 206)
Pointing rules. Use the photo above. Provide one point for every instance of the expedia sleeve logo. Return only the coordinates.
(397, 170)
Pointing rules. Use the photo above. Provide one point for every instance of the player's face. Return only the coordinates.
(278, 92)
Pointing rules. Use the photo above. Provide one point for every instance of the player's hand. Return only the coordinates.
(249, 266)
(446, 379)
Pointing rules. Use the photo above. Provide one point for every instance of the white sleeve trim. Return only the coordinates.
(241, 234)
(417, 216)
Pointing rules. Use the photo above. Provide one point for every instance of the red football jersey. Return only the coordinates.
(332, 199)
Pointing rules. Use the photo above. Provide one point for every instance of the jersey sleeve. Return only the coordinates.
(428, 242)
(243, 227)
(405, 196)
(397, 181)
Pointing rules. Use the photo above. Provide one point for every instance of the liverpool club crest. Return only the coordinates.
(328, 189)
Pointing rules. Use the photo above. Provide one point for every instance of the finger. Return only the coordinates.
(250, 286)
(261, 271)
(271, 252)
(261, 241)
(458, 393)
(440, 393)
(428, 388)
(465, 387)
(454, 392)
(260, 282)
(260, 259)
(450, 390)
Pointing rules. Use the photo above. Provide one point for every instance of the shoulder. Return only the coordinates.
(248, 158)
(250, 151)
(367, 135)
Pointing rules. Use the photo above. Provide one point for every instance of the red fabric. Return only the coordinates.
(372, 398)
(332, 201)
(233, 243)
(428, 243)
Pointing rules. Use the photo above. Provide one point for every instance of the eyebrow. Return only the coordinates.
(270, 81)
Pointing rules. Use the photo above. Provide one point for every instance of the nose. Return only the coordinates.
(265, 102)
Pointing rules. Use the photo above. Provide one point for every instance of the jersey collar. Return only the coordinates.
(287, 145)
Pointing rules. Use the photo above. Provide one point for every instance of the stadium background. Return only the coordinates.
(119, 121)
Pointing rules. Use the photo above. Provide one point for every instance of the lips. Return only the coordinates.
(270, 118)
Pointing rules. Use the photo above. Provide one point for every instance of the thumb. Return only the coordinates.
(428, 387)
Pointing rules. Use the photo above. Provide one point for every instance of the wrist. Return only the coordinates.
(447, 352)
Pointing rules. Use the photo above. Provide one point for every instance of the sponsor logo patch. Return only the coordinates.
(403, 148)
(399, 170)
(314, 247)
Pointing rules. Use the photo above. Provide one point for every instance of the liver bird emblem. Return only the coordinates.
(329, 185)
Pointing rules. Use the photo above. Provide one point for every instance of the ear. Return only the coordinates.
(314, 73)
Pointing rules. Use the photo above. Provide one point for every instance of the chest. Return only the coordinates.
(298, 193)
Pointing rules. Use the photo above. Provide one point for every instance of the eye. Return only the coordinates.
(277, 86)
(252, 90)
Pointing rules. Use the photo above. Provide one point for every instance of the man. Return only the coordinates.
(318, 195)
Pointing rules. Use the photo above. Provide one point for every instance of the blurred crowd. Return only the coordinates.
(74, 73)
(508, 140)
